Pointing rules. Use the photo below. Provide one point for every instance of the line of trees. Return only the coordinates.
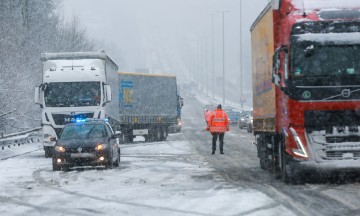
(28, 28)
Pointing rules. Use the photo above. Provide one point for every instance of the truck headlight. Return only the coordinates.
(59, 149)
(101, 147)
(300, 151)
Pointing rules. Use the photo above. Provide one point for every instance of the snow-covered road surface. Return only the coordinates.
(174, 177)
(160, 178)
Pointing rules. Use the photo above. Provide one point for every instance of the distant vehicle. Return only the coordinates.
(148, 105)
(249, 123)
(244, 116)
(86, 143)
(210, 107)
(176, 127)
(234, 117)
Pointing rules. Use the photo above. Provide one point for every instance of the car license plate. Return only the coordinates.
(82, 155)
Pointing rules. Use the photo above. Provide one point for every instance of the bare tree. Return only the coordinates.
(28, 28)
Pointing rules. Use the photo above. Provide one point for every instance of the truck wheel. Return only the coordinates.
(288, 174)
(48, 152)
(55, 166)
(128, 138)
(147, 138)
(163, 134)
(263, 153)
(263, 159)
(109, 164)
(249, 128)
(284, 167)
(158, 134)
(117, 162)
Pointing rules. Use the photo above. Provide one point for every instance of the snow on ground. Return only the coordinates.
(159, 178)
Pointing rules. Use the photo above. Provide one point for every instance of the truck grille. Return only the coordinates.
(334, 135)
(325, 120)
(63, 119)
(342, 155)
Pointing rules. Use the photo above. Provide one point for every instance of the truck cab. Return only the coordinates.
(74, 85)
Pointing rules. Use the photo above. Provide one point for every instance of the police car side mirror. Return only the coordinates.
(117, 134)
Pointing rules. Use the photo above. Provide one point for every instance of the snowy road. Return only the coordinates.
(240, 166)
(175, 177)
(164, 178)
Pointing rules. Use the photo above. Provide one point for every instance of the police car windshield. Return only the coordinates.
(83, 131)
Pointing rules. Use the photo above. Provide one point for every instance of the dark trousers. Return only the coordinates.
(221, 140)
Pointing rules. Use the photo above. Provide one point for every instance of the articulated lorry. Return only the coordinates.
(306, 87)
(148, 105)
(75, 85)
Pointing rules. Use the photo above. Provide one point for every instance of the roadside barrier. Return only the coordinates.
(20, 138)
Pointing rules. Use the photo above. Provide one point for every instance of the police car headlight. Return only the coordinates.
(59, 149)
(101, 147)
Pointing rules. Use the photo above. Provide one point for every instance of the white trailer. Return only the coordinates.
(75, 85)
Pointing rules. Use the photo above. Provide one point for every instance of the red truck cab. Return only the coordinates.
(306, 87)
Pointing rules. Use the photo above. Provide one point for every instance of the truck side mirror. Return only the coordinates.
(276, 79)
(117, 134)
(275, 4)
(37, 95)
(280, 62)
(108, 93)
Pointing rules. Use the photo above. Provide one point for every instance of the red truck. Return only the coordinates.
(306, 87)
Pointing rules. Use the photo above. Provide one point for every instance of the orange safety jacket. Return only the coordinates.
(207, 115)
(219, 121)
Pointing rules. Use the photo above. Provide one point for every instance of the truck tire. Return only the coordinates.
(158, 134)
(128, 138)
(147, 138)
(263, 157)
(55, 166)
(48, 151)
(110, 163)
(249, 128)
(163, 134)
(263, 152)
(288, 174)
(117, 162)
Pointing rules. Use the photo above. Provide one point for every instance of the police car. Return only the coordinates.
(86, 142)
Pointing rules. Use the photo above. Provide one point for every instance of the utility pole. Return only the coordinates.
(223, 15)
(212, 55)
(206, 66)
(241, 61)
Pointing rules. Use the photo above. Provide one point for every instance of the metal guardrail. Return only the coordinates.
(20, 138)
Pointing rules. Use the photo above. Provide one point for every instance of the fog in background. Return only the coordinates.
(174, 37)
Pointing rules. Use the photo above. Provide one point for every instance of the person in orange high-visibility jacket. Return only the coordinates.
(218, 125)
(207, 116)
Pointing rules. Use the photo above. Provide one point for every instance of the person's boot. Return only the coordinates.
(213, 152)
(221, 152)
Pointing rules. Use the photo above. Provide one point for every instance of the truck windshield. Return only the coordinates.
(72, 94)
(315, 60)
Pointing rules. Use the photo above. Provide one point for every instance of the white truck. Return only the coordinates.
(75, 85)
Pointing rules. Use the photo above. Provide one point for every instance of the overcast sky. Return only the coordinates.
(160, 33)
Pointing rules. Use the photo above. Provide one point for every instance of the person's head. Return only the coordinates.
(219, 106)
(206, 110)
